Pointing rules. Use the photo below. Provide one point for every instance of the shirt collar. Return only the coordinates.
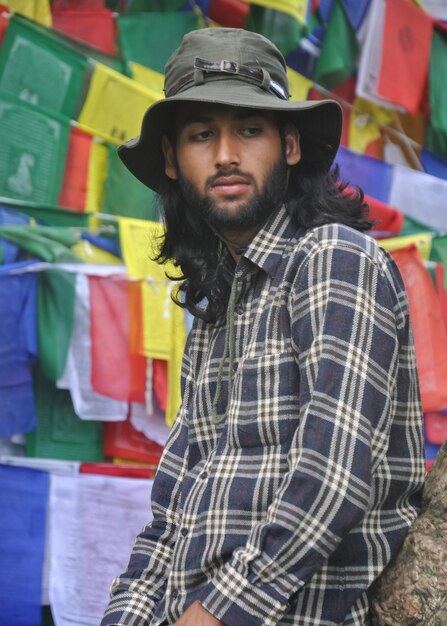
(267, 247)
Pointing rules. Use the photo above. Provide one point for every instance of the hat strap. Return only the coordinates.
(204, 69)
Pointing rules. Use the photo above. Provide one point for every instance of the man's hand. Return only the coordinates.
(196, 615)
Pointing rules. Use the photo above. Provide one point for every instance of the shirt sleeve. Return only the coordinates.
(135, 594)
(343, 312)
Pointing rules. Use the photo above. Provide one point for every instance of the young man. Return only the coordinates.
(294, 469)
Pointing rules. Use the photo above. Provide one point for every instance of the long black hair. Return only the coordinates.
(313, 197)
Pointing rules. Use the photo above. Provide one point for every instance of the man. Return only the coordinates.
(294, 468)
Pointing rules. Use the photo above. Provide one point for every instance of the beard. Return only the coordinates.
(265, 201)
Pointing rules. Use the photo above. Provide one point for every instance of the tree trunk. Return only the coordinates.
(412, 590)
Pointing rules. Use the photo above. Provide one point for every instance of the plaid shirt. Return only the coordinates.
(285, 507)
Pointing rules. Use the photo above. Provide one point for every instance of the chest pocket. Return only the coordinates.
(264, 406)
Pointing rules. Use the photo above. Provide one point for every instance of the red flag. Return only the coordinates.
(74, 185)
(386, 218)
(405, 54)
(228, 12)
(122, 440)
(116, 373)
(93, 26)
(430, 336)
(113, 469)
(4, 21)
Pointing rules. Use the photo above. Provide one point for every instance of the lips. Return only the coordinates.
(230, 185)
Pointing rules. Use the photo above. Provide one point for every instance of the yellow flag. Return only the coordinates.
(97, 172)
(364, 123)
(299, 85)
(36, 10)
(295, 8)
(115, 105)
(423, 242)
(150, 78)
(164, 332)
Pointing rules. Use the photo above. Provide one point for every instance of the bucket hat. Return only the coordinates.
(235, 67)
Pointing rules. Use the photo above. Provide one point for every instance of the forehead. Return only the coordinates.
(191, 112)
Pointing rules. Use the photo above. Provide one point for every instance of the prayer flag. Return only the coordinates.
(436, 427)
(124, 194)
(164, 31)
(437, 135)
(422, 241)
(95, 26)
(121, 439)
(9, 251)
(439, 251)
(386, 218)
(231, 13)
(60, 434)
(116, 373)
(94, 521)
(276, 24)
(50, 243)
(38, 70)
(34, 146)
(339, 51)
(365, 121)
(55, 315)
(419, 195)
(18, 348)
(371, 175)
(430, 336)
(115, 105)
(433, 164)
(296, 8)
(36, 10)
(77, 374)
(74, 184)
(299, 86)
(150, 78)
(23, 503)
(406, 45)
(97, 172)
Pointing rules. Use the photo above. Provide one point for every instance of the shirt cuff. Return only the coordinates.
(233, 599)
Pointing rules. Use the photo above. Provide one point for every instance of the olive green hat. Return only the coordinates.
(235, 67)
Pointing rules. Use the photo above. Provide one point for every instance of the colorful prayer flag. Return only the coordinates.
(339, 51)
(406, 46)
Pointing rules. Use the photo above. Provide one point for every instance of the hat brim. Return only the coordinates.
(320, 121)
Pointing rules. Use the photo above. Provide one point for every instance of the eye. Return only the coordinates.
(203, 135)
(251, 131)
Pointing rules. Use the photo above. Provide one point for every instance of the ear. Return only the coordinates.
(293, 149)
(169, 155)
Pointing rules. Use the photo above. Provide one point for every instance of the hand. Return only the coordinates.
(196, 615)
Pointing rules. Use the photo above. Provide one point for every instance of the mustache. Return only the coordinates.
(234, 172)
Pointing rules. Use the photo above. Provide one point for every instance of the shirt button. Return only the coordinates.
(203, 475)
(184, 531)
(240, 308)
(174, 593)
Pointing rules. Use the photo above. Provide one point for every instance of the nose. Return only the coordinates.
(227, 152)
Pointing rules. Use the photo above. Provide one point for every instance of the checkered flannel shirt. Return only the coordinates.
(285, 508)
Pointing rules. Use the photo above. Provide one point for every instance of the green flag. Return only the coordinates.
(33, 151)
(150, 38)
(124, 194)
(438, 252)
(281, 28)
(436, 139)
(39, 70)
(48, 214)
(49, 243)
(60, 434)
(413, 227)
(55, 315)
(339, 51)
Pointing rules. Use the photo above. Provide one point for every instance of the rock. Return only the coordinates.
(412, 590)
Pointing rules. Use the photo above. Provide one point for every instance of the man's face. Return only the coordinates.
(230, 163)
